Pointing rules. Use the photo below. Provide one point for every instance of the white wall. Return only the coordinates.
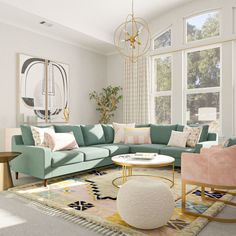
(175, 20)
(115, 77)
(87, 72)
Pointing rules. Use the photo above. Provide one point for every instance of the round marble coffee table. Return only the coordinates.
(128, 162)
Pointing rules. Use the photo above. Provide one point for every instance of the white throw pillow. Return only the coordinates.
(38, 134)
(178, 139)
(137, 136)
(119, 130)
(194, 135)
(60, 141)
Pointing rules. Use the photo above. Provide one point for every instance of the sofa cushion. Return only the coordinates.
(62, 158)
(93, 134)
(146, 148)
(92, 153)
(175, 151)
(115, 149)
(76, 129)
(108, 132)
(160, 134)
(204, 133)
(142, 125)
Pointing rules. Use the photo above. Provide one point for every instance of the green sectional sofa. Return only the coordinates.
(96, 148)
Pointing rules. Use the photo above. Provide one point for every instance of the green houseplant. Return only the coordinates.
(107, 102)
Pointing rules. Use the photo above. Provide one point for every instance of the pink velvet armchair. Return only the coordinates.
(214, 168)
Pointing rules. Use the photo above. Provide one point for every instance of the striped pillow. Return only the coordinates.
(137, 136)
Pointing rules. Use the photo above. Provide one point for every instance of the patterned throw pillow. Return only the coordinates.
(137, 136)
(194, 135)
(120, 131)
(178, 139)
(38, 134)
(60, 141)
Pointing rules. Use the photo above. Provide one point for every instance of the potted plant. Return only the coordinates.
(107, 102)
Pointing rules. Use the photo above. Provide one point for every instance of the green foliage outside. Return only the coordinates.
(203, 71)
(163, 70)
(209, 29)
(107, 102)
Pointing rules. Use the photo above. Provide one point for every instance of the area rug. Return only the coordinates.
(92, 196)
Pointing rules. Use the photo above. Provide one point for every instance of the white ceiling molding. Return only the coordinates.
(87, 24)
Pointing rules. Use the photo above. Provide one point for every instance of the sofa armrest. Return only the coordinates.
(198, 148)
(208, 144)
(35, 161)
(194, 167)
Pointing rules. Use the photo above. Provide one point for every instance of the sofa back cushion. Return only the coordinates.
(142, 125)
(93, 134)
(27, 135)
(108, 132)
(76, 129)
(204, 133)
(160, 134)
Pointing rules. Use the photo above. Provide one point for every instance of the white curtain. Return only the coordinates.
(136, 92)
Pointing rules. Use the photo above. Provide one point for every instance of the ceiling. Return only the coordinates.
(88, 23)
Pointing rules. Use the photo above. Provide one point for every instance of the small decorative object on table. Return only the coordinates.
(107, 102)
(144, 155)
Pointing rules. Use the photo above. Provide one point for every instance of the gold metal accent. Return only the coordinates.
(132, 38)
(203, 186)
(66, 114)
(127, 172)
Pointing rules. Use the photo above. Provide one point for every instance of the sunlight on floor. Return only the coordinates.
(8, 219)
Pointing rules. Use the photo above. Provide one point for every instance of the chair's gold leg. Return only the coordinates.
(220, 200)
(211, 218)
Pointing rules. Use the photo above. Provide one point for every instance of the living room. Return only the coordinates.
(118, 117)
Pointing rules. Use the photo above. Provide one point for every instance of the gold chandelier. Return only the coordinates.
(132, 38)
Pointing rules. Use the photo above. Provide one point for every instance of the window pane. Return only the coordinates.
(203, 26)
(163, 73)
(203, 108)
(163, 109)
(164, 40)
(203, 68)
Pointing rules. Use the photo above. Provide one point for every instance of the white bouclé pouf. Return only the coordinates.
(145, 204)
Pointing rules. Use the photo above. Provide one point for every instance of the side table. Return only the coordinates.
(5, 172)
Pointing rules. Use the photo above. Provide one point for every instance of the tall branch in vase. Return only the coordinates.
(107, 102)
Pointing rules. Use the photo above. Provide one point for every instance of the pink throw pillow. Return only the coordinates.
(60, 141)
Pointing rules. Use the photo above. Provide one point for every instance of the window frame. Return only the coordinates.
(187, 91)
(156, 93)
(185, 36)
(159, 34)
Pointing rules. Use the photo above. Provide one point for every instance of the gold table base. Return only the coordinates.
(127, 172)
